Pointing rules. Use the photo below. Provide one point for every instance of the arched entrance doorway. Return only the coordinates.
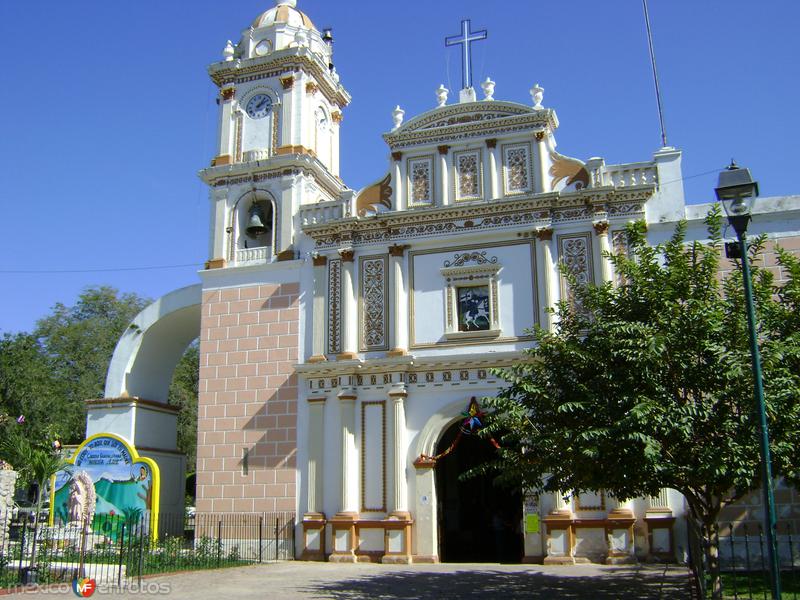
(478, 520)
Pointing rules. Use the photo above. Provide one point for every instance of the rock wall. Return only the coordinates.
(7, 481)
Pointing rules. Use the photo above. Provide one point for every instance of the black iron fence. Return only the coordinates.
(744, 562)
(111, 549)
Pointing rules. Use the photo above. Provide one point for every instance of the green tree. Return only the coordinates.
(80, 340)
(183, 393)
(29, 388)
(36, 459)
(647, 384)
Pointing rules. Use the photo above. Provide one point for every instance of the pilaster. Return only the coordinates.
(606, 268)
(225, 150)
(492, 175)
(349, 308)
(543, 185)
(444, 177)
(343, 524)
(400, 301)
(314, 518)
(547, 275)
(318, 309)
(398, 525)
(399, 181)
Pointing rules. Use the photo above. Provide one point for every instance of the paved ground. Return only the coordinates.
(327, 581)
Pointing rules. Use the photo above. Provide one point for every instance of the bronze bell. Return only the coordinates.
(255, 224)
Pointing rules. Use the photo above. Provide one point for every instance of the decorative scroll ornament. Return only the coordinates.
(478, 258)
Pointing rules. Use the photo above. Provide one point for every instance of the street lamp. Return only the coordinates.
(737, 191)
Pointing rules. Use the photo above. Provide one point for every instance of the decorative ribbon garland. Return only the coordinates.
(472, 423)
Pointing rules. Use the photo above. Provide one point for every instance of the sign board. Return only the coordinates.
(126, 487)
(531, 523)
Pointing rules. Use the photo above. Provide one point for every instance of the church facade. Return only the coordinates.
(344, 334)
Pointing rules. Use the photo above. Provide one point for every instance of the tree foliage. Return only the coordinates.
(47, 375)
(80, 339)
(647, 384)
(183, 393)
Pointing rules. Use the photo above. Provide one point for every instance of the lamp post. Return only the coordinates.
(737, 191)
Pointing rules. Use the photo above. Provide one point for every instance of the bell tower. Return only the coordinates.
(280, 112)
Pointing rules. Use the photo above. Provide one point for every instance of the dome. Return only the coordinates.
(284, 12)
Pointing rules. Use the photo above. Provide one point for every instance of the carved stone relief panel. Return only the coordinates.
(420, 184)
(374, 303)
(575, 251)
(334, 306)
(517, 168)
(468, 170)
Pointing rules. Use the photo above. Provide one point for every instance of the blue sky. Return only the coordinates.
(107, 112)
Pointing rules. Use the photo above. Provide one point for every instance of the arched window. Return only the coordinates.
(253, 230)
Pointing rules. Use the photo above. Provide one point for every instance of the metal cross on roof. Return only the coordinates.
(466, 38)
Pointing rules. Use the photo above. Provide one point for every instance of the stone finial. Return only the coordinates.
(488, 89)
(227, 53)
(537, 93)
(398, 114)
(441, 95)
(292, 3)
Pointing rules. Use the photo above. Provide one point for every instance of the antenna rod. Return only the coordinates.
(655, 74)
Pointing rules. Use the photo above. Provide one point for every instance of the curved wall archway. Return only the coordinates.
(147, 353)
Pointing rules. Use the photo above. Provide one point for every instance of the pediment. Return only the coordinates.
(467, 113)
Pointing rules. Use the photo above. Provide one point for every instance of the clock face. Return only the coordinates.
(259, 106)
(263, 48)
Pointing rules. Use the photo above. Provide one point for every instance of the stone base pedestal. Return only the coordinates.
(313, 537)
(619, 532)
(425, 559)
(397, 538)
(343, 527)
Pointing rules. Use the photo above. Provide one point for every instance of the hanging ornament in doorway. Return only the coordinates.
(473, 421)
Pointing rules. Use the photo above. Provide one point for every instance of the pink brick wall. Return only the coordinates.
(769, 258)
(248, 399)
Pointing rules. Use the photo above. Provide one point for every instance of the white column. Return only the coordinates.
(563, 503)
(219, 223)
(226, 124)
(316, 452)
(399, 181)
(337, 125)
(349, 309)
(349, 475)
(399, 505)
(318, 309)
(542, 159)
(547, 275)
(400, 302)
(444, 178)
(288, 110)
(606, 268)
(491, 175)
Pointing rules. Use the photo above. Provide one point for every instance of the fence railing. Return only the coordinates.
(743, 558)
(111, 549)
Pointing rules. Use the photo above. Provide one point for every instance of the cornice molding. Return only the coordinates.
(277, 166)
(279, 63)
(530, 211)
(411, 364)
